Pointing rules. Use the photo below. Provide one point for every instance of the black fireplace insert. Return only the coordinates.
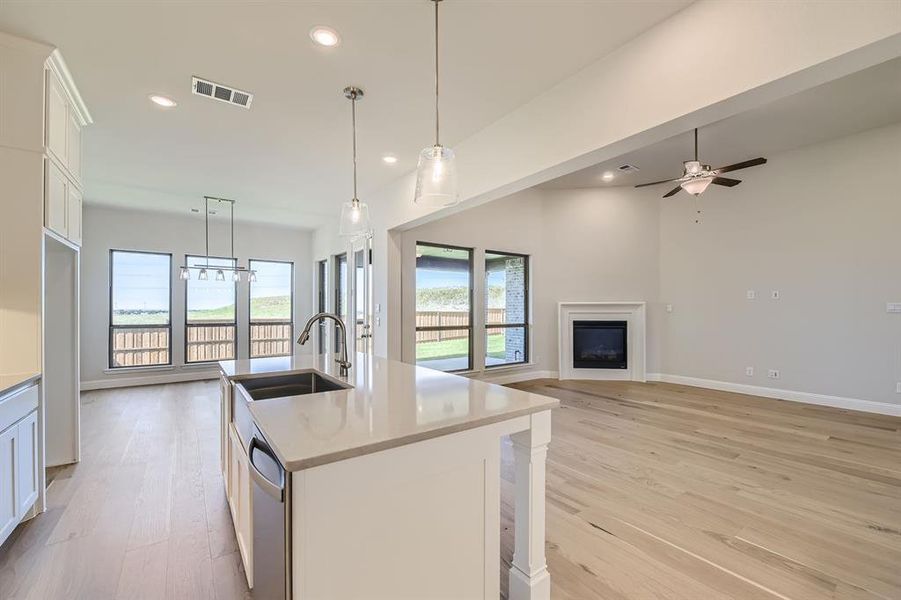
(600, 344)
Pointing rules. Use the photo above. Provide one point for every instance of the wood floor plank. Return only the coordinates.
(654, 491)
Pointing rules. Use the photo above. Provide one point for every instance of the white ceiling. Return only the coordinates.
(287, 160)
(864, 100)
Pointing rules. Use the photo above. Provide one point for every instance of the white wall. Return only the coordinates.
(615, 106)
(599, 244)
(109, 228)
(818, 224)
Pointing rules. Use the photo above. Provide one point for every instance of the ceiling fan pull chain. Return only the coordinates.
(697, 210)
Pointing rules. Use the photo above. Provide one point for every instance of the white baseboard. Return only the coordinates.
(505, 378)
(120, 382)
(881, 408)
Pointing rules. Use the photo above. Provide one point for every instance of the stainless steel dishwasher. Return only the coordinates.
(271, 522)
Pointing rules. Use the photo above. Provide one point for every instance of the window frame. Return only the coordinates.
(234, 324)
(527, 307)
(109, 358)
(338, 306)
(250, 262)
(471, 327)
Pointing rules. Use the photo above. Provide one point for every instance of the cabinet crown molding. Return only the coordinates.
(56, 64)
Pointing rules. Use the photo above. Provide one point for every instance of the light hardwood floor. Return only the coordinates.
(654, 491)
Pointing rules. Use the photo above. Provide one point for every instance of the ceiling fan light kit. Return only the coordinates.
(697, 177)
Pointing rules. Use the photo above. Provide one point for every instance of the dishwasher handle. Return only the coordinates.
(277, 491)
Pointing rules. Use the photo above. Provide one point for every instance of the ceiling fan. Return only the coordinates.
(696, 176)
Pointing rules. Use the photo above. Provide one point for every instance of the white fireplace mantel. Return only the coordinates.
(631, 312)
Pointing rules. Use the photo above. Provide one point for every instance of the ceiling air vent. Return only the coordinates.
(220, 92)
(627, 169)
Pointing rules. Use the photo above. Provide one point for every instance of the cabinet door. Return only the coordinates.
(73, 215)
(27, 463)
(57, 127)
(73, 146)
(9, 517)
(56, 199)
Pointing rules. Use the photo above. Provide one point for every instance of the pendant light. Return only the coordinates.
(236, 271)
(354, 214)
(436, 174)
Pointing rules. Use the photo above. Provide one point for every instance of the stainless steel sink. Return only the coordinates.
(291, 384)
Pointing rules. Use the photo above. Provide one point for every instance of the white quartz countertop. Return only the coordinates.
(8, 381)
(391, 404)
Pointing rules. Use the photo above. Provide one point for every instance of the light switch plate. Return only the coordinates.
(893, 307)
(775, 294)
(751, 294)
(669, 308)
(773, 374)
(749, 371)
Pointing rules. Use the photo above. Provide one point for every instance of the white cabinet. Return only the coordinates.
(56, 199)
(19, 479)
(73, 215)
(56, 128)
(9, 506)
(62, 146)
(240, 499)
(27, 463)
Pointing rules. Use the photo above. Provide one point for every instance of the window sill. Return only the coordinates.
(138, 369)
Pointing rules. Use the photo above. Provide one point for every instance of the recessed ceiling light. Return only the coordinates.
(608, 176)
(325, 36)
(390, 159)
(163, 101)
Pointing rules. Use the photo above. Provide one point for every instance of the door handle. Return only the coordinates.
(276, 491)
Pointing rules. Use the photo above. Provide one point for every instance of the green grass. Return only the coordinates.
(271, 307)
(458, 347)
(141, 317)
(267, 307)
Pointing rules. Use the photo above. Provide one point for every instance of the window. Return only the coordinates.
(506, 308)
(210, 319)
(321, 306)
(271, 308)
(140, 309)
(443, 307)
(340, 297)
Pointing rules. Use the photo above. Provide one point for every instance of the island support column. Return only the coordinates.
(529, 577)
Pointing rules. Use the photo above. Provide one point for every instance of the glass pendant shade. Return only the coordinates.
(354, 219)
(436, 178)
(184, 274)
(252, 278)
(697, 185)
(203, 276)
(220, 276)
(236, 276)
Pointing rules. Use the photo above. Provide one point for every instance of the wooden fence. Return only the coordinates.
(210, 342)
(138, 347)
(448, 318)
(270, 339)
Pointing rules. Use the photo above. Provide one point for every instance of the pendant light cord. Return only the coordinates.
(437, 130)
(353, 120)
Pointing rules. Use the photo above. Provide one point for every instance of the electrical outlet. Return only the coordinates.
(774, 294)
(898, 388)
(773, 374)
(669, 308)
(751, 294)
(749, 371)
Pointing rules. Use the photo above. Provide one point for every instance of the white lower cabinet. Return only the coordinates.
(18, 472)
(9, 506)
(240, 499)
(27, 462)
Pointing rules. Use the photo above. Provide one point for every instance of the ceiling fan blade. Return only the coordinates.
(657, 182)
(673, 191)
(726, 181)
(742, 165)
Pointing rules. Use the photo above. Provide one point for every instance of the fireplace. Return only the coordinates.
(600, 344)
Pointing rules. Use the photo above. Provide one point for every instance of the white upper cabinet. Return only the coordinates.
(64, 116)
(57, 125)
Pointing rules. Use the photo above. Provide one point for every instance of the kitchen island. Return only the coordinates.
(391, 479)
